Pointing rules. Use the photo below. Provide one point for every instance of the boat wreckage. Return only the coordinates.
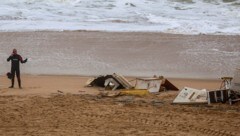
(228, 91)
(115, 81)
(112, 82)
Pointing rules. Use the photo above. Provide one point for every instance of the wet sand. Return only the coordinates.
(129, 54)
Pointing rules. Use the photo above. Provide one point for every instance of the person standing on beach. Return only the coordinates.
(15, 67)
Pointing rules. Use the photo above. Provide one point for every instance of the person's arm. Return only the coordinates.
(24, 61)
(9, 58)
(21, 60)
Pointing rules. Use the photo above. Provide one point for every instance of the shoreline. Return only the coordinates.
(102, 31)
(126, 76)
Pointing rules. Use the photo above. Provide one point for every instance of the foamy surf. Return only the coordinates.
(168, 16)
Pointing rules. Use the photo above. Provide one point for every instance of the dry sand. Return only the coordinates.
(61, 105)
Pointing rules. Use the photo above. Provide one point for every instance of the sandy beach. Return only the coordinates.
(60, 104)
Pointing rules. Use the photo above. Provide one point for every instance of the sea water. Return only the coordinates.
(169, 16)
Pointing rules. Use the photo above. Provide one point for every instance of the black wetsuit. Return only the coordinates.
(15, 68)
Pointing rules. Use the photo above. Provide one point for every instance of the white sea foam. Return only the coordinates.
(171, 16)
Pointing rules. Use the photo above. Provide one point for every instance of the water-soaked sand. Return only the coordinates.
(130, 54)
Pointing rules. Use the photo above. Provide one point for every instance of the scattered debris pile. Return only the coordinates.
(115, 81)
(112, 82)
(155, 84)
(229, 91)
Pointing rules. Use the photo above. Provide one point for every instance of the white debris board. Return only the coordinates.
(151, 84)
(190, 96)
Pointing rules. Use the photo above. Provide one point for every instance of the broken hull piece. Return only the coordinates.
(113, 82)
(191, 96)
(217, 96)
(168, 85)
(151, 84)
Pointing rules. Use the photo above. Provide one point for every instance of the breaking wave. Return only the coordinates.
(169, 16)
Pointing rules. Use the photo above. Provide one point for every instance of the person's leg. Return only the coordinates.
(18, 77)
(13, 76)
